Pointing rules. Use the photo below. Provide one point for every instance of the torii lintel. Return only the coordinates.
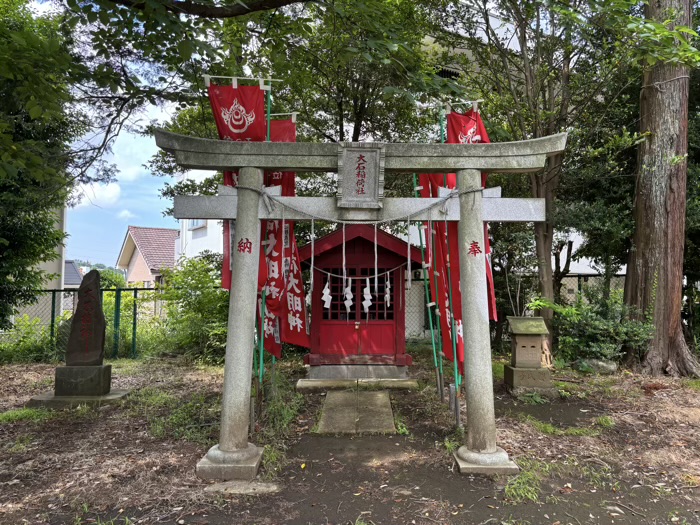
(502, 157)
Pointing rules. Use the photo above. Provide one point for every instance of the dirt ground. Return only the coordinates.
(620, 449)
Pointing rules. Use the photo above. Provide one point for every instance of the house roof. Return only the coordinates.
(71, 274)
(156, 245)
(364, 231)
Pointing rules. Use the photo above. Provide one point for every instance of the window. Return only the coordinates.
(197, 223)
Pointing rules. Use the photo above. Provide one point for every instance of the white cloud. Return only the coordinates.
(100, 195)
(125, 215)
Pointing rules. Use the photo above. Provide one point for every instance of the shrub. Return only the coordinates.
(596, 327)
(197, 309)
(29, 341)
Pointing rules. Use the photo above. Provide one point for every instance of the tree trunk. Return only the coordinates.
(655, 270)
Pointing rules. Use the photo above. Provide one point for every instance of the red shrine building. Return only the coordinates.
(374, 334)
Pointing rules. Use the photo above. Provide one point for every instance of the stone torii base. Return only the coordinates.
(234, 457)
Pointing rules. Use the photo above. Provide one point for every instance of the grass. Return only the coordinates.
(693, 384)
(497, 369)
(281, 407)
(194, 418)
(605, 422)
(526, 486)
(400, 424)
(551, 430)
(21, 444)
(32, 415)
(454, 440)
(533, 398)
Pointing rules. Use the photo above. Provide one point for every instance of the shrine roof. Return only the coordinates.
(365, 231)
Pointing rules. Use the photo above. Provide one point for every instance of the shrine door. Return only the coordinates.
(354, 332)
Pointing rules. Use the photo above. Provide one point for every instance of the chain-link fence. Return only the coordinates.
(573, 285)
(40, 330)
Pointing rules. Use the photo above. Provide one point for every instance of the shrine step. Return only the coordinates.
(358, 371)
(355, 412)
(324, 385)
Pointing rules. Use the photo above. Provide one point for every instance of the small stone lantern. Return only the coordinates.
(525, 372)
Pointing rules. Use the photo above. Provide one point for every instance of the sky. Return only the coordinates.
(97, 226)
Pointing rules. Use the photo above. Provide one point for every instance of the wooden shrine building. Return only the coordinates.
(359, 334)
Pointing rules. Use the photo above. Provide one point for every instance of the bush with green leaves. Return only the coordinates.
(596, 326)
(197, 309)
(29, 341)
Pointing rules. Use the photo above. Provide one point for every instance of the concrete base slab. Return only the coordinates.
(219, 465)
(250, 488)
(470, 462)
(358, 372)
(527, 377)
(323, 385)
(50, 400)
(353, 412)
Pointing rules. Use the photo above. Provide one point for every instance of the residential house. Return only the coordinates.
(145, 253)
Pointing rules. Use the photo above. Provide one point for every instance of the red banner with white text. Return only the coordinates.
(443, 242)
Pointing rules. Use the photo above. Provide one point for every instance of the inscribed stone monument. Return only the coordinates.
(86, 342)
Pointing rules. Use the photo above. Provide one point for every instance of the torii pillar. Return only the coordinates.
(360, 198)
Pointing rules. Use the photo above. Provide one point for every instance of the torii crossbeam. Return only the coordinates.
(360, 168)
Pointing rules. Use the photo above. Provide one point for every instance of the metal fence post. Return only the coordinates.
(133, 325)
(53, 318)
(117, 315)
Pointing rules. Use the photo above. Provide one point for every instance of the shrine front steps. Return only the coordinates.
(355, 412)
(323, 385)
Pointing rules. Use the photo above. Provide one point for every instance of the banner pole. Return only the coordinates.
(427, 296)
(261, 341)
(268, 95)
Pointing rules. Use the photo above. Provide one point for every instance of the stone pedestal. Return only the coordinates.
(240, 464)
(488, 463)
(83, 380)
(519, 378)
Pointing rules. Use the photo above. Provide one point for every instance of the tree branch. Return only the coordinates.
(190, 7)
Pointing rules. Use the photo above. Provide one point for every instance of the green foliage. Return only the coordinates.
(281, 407)
(532, 398)
(526, 486)
(35, 133)
(33, 415)
(29, 341)
(197, 309)
(551, 430)
(193, 418)
(110, 278)
(605, 422)
(596, 327)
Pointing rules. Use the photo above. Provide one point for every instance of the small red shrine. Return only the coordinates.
(344, 337)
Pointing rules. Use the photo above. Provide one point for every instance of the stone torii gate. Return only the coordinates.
(360, 168)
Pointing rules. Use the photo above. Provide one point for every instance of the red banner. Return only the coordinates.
(468, 128)
(240, 116)
(443, 243)
(286, 317)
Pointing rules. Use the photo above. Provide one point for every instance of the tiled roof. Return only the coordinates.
(71, 274)
(157, 245)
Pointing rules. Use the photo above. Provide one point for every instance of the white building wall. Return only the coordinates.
(195, 240)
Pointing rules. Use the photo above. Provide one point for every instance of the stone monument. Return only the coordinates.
(525, 372)
(84, 379)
